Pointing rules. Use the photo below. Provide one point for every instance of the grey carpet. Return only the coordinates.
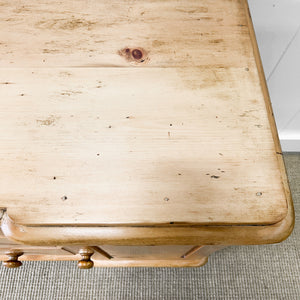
(253, 272)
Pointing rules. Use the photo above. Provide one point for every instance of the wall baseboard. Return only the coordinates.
(289, 145)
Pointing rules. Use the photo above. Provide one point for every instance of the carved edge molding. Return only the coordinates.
(61, 235)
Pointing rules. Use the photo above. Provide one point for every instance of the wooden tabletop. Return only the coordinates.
(135, 112)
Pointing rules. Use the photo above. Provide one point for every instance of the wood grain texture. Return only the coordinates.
(149, 235)
(118, 263)
(92, 33)
(154, 115)
(144, 148)
(154, 252)
(134, 256)
(191, 251)
(153, 263)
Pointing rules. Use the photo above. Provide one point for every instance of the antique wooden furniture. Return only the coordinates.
(135, 133)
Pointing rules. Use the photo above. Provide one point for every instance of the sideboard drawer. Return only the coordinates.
(146, 252)
(34, 250)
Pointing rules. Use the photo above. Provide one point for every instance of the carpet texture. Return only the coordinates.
(252, 272)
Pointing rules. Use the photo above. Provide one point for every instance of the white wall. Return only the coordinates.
(277, 27)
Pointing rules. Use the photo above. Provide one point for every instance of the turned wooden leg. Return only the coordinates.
(85, 262)
(13, 261)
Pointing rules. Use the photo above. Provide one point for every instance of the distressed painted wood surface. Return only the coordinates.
(93, 134)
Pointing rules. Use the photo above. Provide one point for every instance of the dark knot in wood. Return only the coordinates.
(137, 55)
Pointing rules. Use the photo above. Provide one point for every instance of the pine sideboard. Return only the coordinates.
(135, 133)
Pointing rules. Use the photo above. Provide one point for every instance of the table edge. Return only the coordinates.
(149, 235)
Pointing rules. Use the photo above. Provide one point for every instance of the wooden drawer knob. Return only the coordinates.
(85, 262)
(13, 261)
